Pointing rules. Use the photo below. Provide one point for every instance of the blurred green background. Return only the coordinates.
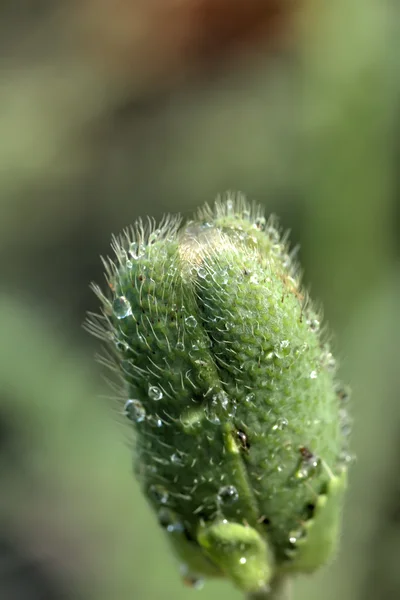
(114, 109)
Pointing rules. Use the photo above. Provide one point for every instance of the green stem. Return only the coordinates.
(280, 590)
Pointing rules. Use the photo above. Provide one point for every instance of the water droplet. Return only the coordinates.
(313, 324)
(313, 375)
(260, 223)
(169, 521)
(154, 421)
(180, 346)
(202, 272)
(177, 459)
(159, 493)
(129, 264)
(250, 397)
(254, 279)
(204, 342)
(193, 581)
(154, 236)
(155, 393)
(295, 536)
(282, 349)
(212, 416)
(228, 494)
(307, 466)
(280, 425)
(121, 346)
(191, 321)
(329, 362)
(221, 399)
(137, 250)
(243, 560)
(301, 349)
(135, 411)
(343, 393)
(121, 307)
(346, 458)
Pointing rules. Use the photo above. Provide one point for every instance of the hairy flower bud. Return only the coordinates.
(240, 423)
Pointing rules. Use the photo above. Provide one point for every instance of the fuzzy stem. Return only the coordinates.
(280, 590)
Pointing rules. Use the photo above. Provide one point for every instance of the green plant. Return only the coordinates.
(240, 423)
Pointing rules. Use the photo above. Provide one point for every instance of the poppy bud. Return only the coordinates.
(240, 425)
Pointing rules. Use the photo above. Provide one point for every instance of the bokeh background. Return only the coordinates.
(112, 109)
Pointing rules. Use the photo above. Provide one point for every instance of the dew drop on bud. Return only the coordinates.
(135, 411)
(346, 458)
(177, 459)
(191, 321)
(260, 223)
(228, 494)
(280, 425)
(137, 250)
(155, 393)
(222, 399)
(295, 536)
(121, 307)
(191, 580)
(313, 324)
(329, 362)
(153, 236)
(254, 279)
(159, 493)
(212, 416)
(307, 466)
(343, 393)
(169, 521)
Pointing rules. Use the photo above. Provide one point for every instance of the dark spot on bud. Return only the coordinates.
(243, 439)
(188, 535)
(306, 453)
(309, 511)
(343, 393)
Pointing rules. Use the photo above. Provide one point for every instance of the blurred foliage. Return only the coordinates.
(310, 128)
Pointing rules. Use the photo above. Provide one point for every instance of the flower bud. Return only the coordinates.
(240, 425)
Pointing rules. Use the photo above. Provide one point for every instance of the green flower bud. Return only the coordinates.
(241, 428)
